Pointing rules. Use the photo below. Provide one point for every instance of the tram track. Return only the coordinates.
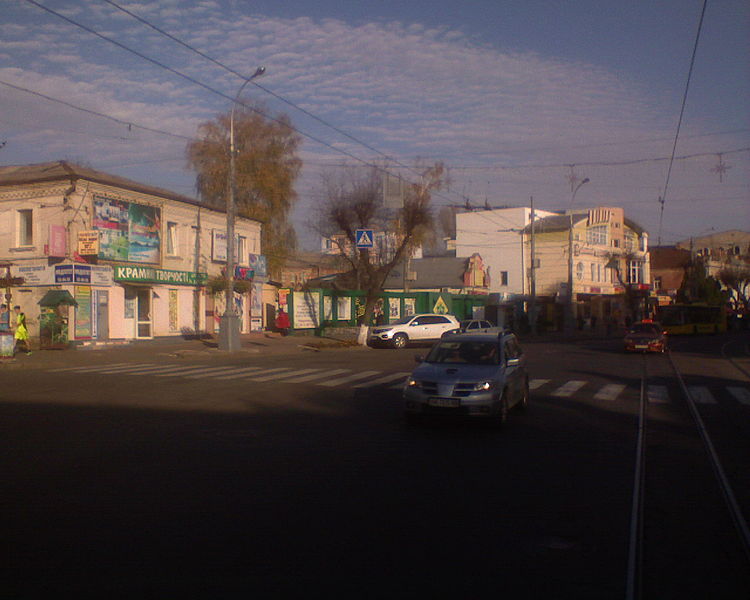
(655, 449)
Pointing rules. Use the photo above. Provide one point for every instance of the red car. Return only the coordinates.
(646, 336)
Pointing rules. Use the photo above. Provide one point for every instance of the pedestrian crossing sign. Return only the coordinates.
(363, 238)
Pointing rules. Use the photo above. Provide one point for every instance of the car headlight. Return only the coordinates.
(483, 386)
(413, 383)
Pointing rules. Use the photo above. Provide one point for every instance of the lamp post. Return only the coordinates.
(229, 325)
(569, 326)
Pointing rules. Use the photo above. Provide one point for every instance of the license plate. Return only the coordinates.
(444, 402)
(641, 347)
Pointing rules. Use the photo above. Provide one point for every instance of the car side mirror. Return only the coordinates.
(418, 358)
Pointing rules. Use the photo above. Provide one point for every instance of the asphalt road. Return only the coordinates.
(165, 474)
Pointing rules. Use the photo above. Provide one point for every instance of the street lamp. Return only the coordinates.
(569, 302)
(229, 325)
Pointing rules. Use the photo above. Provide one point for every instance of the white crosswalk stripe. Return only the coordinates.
(84, 369)
(211, 372)
(152, 370)
(296, 373)
(241, 373)
(741, 394)
(315, 376)
(349, 378)
(176, 371)
(609, 392)
(384, 379)
(270, 374)
(657, 394)
(568, 389)
(537, 383)
(701, 394)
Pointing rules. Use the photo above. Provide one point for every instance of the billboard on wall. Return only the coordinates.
(127, 231)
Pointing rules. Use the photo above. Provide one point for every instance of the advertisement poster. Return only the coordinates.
(256, 300)
(82, 294)
(173, 311)
(306, 310)
(258, 264)
(344, 308)
(410, 307)
(128, 232)
(218, 246)
(394, 308)
(88, 243)
(57, 241)
(327, 308)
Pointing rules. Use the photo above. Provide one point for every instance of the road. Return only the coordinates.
(297, 474)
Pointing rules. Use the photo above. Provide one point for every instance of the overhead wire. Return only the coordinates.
(663, 197)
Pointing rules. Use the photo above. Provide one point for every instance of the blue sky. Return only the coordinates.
(509, 94)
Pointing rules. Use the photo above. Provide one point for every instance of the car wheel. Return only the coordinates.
(399, 341)
(523, 403)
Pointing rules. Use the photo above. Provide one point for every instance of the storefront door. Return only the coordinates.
(143, 312)
(102, 314)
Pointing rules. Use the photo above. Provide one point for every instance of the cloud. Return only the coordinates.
(404, 88)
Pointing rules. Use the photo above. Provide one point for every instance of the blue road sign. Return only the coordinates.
(364, 238)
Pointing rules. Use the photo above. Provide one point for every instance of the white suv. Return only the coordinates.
(416, 328)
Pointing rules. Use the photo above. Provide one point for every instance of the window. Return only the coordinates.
(579, 271)
(242, 250)
(629, 241)
(635, 271)
(503, 277)
(172, 249)
(593, 272)
(26, 227)
(597, 235)
(657, 283)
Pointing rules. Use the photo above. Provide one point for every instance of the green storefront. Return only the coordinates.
(320, 308)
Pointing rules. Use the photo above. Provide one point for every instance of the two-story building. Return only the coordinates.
(134, 261)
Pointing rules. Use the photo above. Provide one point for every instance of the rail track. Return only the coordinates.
(691, 483)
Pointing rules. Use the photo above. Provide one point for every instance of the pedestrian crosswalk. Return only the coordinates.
(574, 389)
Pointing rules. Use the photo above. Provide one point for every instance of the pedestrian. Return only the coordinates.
(22, 334)
(282, 322)
(4, 318)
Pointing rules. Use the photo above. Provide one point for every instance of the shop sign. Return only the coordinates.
(88, 243)
(33, 275)
(152, 275)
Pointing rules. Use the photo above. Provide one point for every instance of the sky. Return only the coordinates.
(520, 99)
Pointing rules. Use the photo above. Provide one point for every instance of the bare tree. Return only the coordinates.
(737, 279)
(357, 203)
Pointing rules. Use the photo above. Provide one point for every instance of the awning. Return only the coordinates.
(57, 297)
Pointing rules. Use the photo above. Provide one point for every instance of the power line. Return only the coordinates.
(205, 86)
(255, 83)
(663, 197)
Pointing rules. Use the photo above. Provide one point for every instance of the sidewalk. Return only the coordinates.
(160, 349)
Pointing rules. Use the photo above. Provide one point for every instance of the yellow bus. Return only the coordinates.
(685, 319)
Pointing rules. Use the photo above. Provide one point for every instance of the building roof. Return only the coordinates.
(63, 170)
(668, 257)
(562, 223)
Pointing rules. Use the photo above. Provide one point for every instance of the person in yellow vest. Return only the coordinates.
(22, 334)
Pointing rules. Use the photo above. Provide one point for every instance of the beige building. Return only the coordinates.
(135, 258)
(610, 254)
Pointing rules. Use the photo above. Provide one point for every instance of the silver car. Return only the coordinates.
(473, 375)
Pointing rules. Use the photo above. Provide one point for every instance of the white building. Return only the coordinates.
(135, 258)
(496, 235)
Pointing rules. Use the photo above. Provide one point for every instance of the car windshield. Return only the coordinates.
(644, 328)
(464, 352)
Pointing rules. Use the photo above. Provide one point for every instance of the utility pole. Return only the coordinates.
(569, 316)
(532, 309)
